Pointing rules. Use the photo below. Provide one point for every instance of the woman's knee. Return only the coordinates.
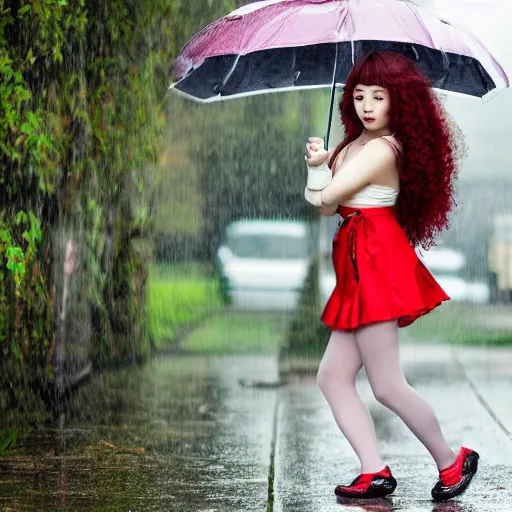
(324, 376)
(341, 361)
(388, 393)
(337, 375)
(383, 395)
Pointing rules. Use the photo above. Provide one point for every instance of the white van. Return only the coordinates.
(263, 263)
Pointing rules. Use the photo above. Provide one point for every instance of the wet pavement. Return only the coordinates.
(180, 434)
(312, 456)
(194, 433)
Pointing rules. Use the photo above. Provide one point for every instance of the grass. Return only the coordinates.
(463, 324)
(179, 296)
(239, 333)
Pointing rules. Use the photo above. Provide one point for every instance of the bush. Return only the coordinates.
(307, 335)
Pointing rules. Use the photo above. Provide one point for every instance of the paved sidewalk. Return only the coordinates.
(462, 385)
(206, 441)
(489, 373)
(206, 427)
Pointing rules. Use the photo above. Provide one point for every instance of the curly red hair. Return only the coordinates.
(419, 122)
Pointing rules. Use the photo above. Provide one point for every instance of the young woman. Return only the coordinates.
(391, 180)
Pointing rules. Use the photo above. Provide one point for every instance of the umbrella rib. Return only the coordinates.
(229, 73)
(418, 17)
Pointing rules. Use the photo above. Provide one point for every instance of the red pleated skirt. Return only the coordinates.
(378, 274)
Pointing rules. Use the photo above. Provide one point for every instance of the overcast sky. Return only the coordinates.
(488, 126)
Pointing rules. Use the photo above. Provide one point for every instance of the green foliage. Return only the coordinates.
(82, 97)
(83, 100)
(26, 315)
(8, 439)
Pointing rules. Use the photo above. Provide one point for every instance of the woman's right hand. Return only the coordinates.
(319, 174)
(315, 152)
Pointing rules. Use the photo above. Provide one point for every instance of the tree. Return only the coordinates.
(83, 103)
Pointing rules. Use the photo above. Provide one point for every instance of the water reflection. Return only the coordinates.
(451, 506)
(367, 505)
(388, 505)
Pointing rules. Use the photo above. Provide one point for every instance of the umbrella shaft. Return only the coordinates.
(331, 103)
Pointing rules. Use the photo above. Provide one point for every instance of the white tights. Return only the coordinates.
(376, 347)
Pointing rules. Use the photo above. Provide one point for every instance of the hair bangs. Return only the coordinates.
(373, 73)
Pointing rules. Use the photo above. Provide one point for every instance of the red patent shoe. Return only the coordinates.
(368, 485)
(455, 479)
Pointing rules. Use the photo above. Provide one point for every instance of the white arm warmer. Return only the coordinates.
(319, 176)
(313, 197)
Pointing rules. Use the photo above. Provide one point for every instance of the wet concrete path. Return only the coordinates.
(189, 433)
(180, 434)
(312, 456)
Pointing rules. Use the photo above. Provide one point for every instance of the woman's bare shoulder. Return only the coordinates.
(380, 155)
(394, 141)
(378, 158)
(380, 148)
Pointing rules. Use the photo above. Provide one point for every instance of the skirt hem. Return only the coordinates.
(402, 320)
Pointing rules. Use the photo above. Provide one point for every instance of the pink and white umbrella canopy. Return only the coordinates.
(285, 44)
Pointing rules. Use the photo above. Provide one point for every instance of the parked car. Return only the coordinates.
(263, 264)
(446, 266)
(500, 258)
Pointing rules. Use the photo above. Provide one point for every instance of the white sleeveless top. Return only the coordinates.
(375, 195)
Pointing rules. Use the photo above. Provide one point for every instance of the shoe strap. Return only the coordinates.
(453, 474)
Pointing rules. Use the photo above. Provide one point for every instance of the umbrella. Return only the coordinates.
(280, 45)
